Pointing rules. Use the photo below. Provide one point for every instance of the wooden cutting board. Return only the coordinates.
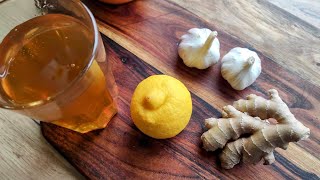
(148, 33)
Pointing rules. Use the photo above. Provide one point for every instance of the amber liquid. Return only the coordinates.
(42, 60)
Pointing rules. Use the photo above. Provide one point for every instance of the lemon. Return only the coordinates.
(161, 106)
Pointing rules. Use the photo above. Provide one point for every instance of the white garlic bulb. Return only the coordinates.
(199, 48)
(240, 67)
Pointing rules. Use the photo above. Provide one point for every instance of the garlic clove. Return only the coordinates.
(199, 48)
(240, 67)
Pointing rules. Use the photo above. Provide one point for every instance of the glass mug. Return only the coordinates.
(48, 64)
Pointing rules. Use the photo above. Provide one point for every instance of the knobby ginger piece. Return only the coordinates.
(245, 117)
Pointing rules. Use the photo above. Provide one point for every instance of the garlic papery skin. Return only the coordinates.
(199, 48)
(240, 67)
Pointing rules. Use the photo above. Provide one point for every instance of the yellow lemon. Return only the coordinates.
(161, 106)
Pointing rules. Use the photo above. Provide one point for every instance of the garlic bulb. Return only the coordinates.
(199, 48)
(240, 67)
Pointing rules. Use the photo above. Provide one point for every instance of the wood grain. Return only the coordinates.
(276, 22)
(25, 154)
(13, 13)
(154, 40)
(286, 39)
(280, 30)
(121, 150)
(151, 30)
(305, 10)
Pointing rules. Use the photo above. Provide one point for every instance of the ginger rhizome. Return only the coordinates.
(245, 134)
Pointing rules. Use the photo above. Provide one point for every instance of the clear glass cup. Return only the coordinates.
(48, 64)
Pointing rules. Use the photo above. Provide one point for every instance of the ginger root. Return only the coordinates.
(244, 118)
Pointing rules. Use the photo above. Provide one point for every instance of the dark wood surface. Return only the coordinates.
(142, 41)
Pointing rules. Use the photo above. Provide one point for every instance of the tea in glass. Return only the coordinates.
(48, 73)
